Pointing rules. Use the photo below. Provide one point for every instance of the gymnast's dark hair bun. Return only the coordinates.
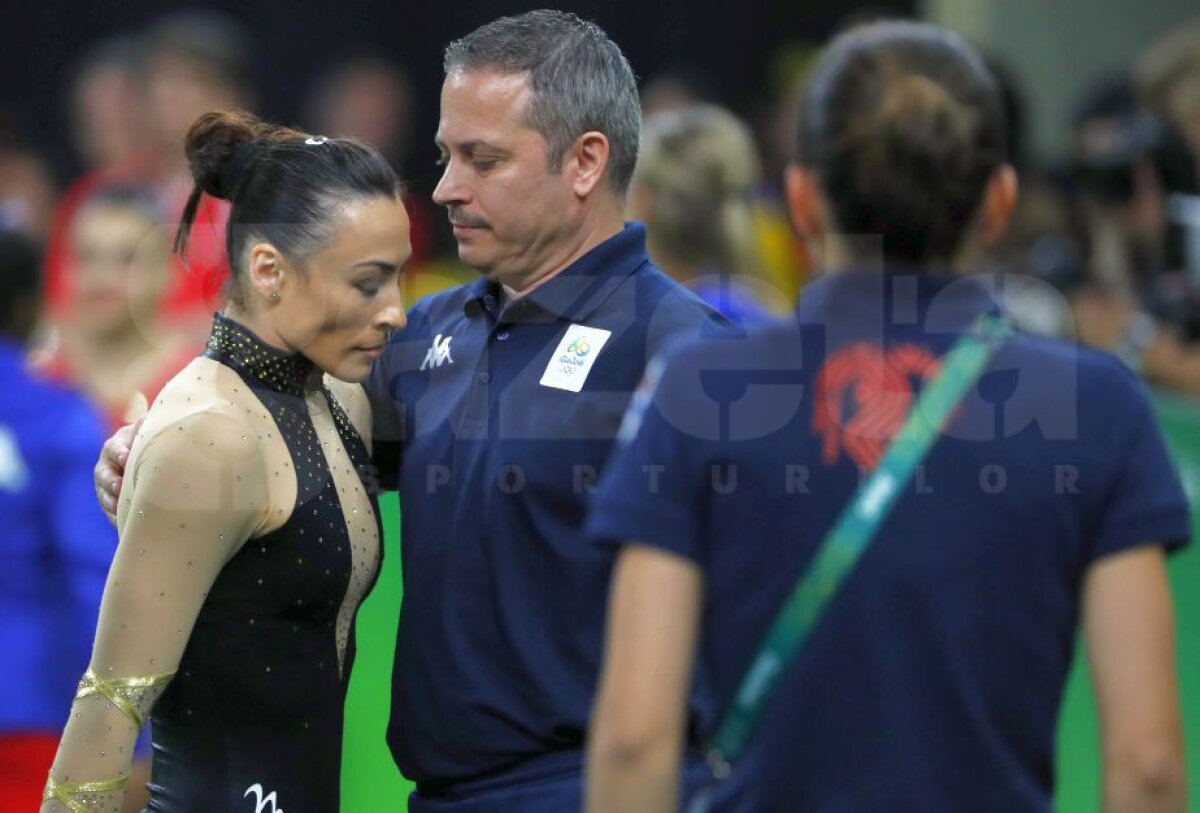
(221, 147)
(284, 187)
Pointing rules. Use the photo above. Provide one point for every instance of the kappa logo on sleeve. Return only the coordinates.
(438, 353)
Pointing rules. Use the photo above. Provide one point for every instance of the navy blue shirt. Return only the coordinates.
(932, 682)
(506, 414)
(56, 546)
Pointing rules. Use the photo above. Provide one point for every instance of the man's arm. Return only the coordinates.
(1130, 631)
(638, 725)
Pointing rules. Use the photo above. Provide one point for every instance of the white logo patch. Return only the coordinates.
(14, 475)
(438, 353)
(574, 357)
(263, 801)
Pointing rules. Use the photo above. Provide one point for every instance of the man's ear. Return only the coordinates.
(805, 203)
(587, 161)
(999, 202)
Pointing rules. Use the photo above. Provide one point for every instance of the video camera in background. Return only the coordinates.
(1136, 166)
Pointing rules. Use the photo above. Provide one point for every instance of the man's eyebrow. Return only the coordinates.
(472, 146)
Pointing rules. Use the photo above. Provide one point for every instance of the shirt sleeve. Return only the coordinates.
(1144, 502)
(387, 420)
(195, 491)
(651, 491)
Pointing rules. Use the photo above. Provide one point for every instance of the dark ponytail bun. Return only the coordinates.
(904, 126)
(284, 186)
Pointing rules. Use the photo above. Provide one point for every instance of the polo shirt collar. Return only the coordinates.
(576, 291)
(904, 292)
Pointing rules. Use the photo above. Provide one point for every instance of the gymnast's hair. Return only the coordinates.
(284, 187)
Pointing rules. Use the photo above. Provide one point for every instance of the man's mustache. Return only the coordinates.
(460, 218)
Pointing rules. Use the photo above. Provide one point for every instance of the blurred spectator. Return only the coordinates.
(111, 340)
(27, 188)
(676, 89)
(56, 543)
(372, 99)
(367, 98)
(192, 62)
(1168, 80)
(787, 261)
(108, 104)
(27, 193)
(195, 62)
(693, 188)
(1127, 289)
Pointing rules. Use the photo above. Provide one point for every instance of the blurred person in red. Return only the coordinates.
(108, 113)
(191, 62)
(55, 544)
(112, 343)
(371, 98)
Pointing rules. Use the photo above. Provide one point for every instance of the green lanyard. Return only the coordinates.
(848, 539)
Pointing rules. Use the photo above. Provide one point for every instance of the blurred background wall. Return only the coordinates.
(1056, 48)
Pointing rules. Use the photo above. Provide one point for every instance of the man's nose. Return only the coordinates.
(450, 189)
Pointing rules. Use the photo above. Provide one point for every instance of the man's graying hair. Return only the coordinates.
(580, 81)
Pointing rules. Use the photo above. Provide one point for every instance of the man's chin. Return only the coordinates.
(474, 259)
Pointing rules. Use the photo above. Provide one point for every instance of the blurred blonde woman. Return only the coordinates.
(693, 188)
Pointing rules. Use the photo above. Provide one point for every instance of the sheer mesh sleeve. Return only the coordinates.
(196, 490)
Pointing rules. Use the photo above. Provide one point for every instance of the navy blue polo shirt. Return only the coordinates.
(933, 681)
(506, 413)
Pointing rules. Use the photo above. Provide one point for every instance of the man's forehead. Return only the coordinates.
(486, 85)
(482, 105)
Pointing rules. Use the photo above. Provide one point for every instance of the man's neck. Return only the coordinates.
(596, 231)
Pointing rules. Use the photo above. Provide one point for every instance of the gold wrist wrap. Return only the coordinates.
(74, 795)
(121, 692)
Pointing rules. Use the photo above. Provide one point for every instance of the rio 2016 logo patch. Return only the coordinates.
(572, 360)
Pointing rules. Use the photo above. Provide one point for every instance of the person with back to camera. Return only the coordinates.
(924, 504)
(248, 534)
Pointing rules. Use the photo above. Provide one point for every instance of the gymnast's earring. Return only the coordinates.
(275, 292)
